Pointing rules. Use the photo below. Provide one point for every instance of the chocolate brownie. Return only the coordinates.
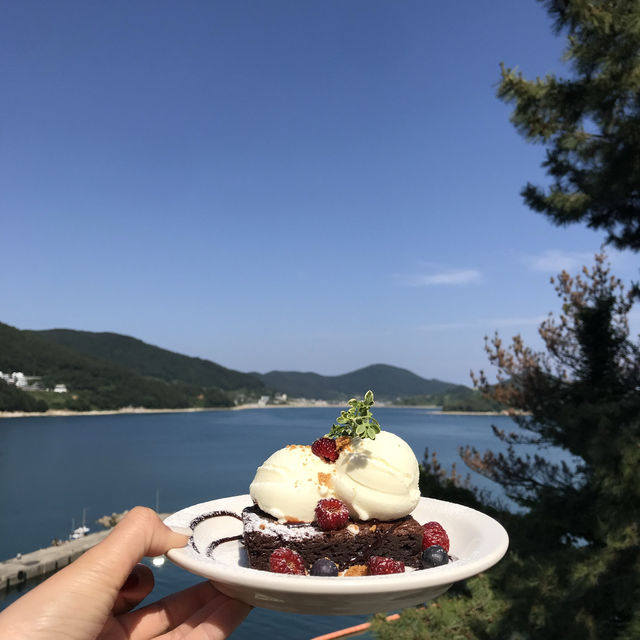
(352, 545)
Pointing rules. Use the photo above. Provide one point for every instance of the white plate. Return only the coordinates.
(477, 543)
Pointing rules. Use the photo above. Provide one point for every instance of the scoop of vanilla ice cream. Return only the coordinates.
(378, 478)
(290, 482)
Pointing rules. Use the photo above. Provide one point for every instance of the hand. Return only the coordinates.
(93, 597)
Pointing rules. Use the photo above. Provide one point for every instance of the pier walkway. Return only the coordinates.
(42, 562)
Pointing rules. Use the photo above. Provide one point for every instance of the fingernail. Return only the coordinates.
(132, 581)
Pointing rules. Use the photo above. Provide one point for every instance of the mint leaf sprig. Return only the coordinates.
(357, 421)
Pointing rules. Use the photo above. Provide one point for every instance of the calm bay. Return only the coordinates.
(54, 470)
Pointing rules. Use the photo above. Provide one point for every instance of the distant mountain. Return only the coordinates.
(387, 382)
(150, 361)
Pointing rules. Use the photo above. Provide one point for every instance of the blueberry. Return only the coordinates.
(434, 556)
(324, 567)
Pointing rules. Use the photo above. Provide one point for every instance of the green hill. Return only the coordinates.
(150, 361)
(388, 383)
(93, 382)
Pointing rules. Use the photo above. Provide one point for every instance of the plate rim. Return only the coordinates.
(279, 583)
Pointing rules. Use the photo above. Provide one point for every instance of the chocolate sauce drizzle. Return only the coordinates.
(206, 516)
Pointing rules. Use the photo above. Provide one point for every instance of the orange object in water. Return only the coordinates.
(343, 633)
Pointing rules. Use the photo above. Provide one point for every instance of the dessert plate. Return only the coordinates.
(477, 543)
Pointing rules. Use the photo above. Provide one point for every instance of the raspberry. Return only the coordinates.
(285, 560)
(331, 513)
(379, 565)
(325, 448)
(433, 533)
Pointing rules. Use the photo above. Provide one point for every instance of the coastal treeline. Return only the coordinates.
(573, 567)
(14, 399)
(457, 399)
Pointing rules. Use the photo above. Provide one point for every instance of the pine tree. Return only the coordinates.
(579, 395)
(573, 571)
(578, 541)
(589, 122)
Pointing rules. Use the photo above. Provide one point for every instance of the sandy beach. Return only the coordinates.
(133, 410)
(64, 412)
(303, 404)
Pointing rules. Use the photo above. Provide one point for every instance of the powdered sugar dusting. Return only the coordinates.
(254, 522)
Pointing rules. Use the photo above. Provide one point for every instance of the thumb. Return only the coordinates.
(140, 533)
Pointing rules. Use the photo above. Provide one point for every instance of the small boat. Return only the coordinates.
(79, 532)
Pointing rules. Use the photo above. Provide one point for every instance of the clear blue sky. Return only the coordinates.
(298, 185)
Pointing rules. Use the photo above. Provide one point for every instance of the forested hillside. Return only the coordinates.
(148, 360)
(93, 383)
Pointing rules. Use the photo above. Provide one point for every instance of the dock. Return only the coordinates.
(36, 564)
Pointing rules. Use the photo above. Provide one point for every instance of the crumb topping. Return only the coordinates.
(325, 479)
(356, 570)
(298, 446)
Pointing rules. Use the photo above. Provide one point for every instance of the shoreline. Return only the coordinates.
(53, 413)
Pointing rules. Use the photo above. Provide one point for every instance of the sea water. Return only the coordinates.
(55, 471)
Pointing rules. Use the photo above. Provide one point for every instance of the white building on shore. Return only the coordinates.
(16, 378)
(28, 383)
